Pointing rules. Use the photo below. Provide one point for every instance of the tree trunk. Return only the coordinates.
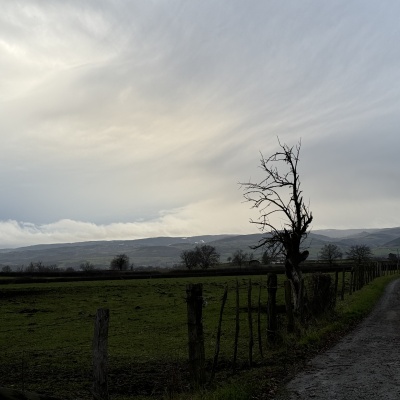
(293, 273)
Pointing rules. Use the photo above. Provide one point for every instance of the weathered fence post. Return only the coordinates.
(250, 320)
(336, 284)
(363, 275)
(23, 371)
(301, 300)
(260, 346)
(100, 357)
(356, 278)
(343, 283)
(272, 284)
(237, 326)
(194, 301)
(289, 308)
(351, 281)
(218, 341)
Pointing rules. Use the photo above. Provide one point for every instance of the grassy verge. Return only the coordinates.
(284, 361)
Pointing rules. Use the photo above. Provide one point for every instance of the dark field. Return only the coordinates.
(47, 329)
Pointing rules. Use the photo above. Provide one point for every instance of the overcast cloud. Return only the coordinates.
(128, 119)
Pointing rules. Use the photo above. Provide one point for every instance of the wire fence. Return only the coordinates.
(64, 368)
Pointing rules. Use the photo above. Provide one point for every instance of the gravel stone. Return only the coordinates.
(364, 365)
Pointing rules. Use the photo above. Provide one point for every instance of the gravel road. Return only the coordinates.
(364, 365)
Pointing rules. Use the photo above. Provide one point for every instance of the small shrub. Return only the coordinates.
(321, 294)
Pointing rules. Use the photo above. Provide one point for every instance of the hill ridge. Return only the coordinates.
(165, 251)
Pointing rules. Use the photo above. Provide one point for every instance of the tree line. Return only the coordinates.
(206, 256)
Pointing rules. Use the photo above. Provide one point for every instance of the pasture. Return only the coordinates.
(47, 329)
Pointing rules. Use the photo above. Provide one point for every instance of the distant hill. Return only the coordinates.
(343, 233)
(165, 251)
(160, 251)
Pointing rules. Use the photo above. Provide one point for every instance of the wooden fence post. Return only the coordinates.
(301, 303)
(343, 283)
(260, 346)
(289, 309)
(100, 357)
(272, 284)
(351, 281)
(218, 341)
(23, 371)
(194, 301)
(237, 326)
(336, 284)
(363, 275)
(250, 320)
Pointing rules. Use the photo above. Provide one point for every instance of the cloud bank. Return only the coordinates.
(131, 119)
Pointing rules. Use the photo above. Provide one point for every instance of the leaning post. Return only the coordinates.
(343, 283)
(194, 299)
(272, 286)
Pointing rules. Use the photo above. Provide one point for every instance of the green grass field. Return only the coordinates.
(47, 329)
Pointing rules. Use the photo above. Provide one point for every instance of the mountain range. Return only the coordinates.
(165, 251)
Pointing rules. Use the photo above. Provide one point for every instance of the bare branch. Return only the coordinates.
(280, 194)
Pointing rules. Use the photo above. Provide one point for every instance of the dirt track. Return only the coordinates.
(364, 365)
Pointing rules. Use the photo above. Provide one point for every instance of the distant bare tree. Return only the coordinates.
(40, 267)
(207, 256)
(267, 257)
(330, 252)
(189, 258)
(120, 262)
(279, 194)
(35, 267)
(6, 269)
(359, 253)
(240, 257)
(87, 266)
(203, 256)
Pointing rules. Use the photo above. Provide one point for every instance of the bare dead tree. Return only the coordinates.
(240, 257)
(330, 252)
(279, 195)
(359, 253)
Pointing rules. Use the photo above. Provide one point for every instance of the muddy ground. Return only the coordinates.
(364, 365)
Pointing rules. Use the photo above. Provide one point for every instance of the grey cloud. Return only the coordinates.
(169, 104)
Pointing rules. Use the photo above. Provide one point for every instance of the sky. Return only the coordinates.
(127, 119)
